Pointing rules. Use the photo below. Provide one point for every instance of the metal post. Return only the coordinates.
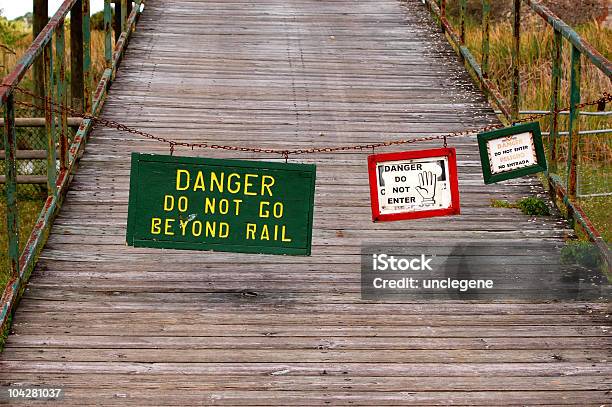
(50, 121)
(516, 49)
(462, 13)
(39, 21)
(554, 100)
(108, 43)
(76, 56)
(61, 100)
(124, 15)
(10, 165)
(486, 13)
(574, 136)
(87, 71)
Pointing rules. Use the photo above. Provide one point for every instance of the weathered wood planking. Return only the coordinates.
(120, 325)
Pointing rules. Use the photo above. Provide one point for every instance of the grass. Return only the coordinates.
(532, 206)
(595, 155)
(29, 208)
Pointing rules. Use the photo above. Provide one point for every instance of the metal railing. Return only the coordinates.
(50, 43)
(565, 191)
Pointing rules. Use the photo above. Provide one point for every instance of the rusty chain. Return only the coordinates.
(287, 152)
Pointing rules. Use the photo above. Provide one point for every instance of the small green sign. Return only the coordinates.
(511, 152)
(224, 205)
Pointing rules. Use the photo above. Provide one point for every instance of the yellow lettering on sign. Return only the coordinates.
(264, 213)
(223, 230)
(155, 223)
(196, 228)
(210, 205)
(168, 227)
(183, 203)
(168, 203)
(250, 230)
(180, 176)
(248, 184)
(277, 210)
(266, 183)
(285, 239)
(183, 224)
(236, 187)
(199, 182)
(211, 228)
(265, 234)
(237, 203)
(223, 206)
(216, 181)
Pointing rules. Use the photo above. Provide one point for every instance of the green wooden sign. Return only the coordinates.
(225, 205)
(511, 152)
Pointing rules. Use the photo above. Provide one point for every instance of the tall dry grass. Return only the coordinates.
(20, 47)
(536, 73)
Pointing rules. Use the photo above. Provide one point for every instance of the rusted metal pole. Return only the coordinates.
(61, 96)
(10, 165)
(574, 137)
(108, 28)
(486, 13)
(117, 23)
(40, 18)
(87, 68)
(124, 15)
(76, 56)
(554, 100)
(50, 121)
(462, 15)
(516, 51)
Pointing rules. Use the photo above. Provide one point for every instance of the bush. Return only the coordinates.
(533, 206)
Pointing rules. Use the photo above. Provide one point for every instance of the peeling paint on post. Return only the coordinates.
(108, 42)
(516, 52)
(486, 17)
(124, 15)
(87, 72)
(50, 120)
(76, 56)
(554, 99)
(574, 136)
(60, 43)
(462, 14)
(10, 165)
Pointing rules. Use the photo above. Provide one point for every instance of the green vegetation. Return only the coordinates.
(529, 206)
(4, 332)
(582, 253)
(12, 32)
(16, 36)
(29, 208)
(533, 206)
(499, 203)
(595, 157)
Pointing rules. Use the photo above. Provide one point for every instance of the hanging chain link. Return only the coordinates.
(287, 152)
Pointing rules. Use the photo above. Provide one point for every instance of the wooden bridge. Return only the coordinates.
(119, 325)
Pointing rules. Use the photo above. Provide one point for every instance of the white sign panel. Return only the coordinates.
(511, 153)
(413, 185)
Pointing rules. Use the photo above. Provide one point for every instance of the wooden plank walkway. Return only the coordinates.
(120, 325)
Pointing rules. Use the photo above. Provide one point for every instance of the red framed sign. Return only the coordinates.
(413, 184)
